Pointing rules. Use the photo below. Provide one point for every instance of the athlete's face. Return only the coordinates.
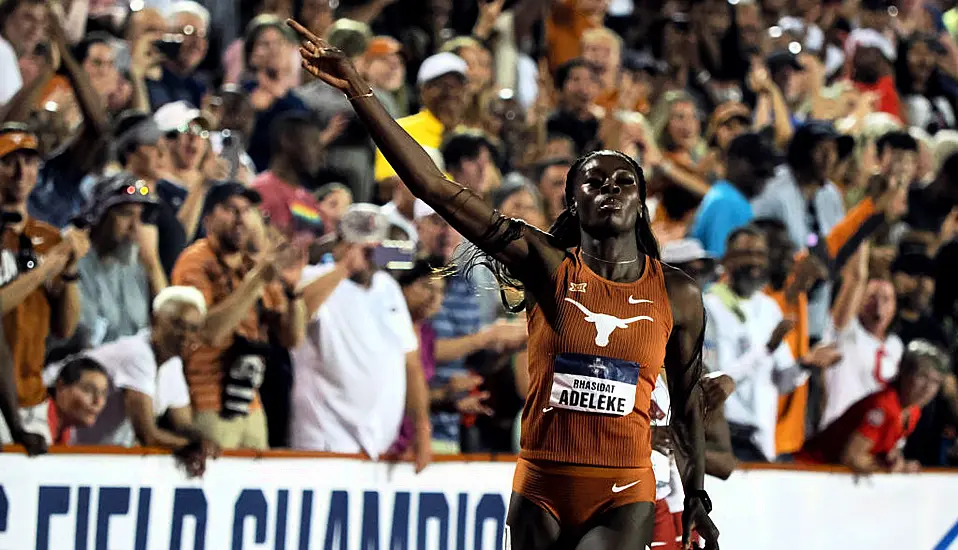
(606, 195)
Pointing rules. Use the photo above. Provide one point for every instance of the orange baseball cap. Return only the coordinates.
(382, 45)
(13, 139)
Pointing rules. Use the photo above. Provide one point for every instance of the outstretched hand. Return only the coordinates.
(323, 61)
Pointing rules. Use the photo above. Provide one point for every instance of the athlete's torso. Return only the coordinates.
(593, 368)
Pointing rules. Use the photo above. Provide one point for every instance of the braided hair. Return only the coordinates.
(565, 231)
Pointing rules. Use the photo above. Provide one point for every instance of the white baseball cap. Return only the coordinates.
(683, 251)
(178, 115)
(869, 38)
(441, 64)
(421, 210)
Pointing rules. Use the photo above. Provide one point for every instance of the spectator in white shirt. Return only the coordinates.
(743, 338)
(862, 314)
(358, 370)
(148, 383)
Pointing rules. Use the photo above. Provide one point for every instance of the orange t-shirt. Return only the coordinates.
(564, 29)
(790, 428)
(199, 267)
(28, 326)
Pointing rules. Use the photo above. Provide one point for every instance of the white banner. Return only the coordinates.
(106, 502)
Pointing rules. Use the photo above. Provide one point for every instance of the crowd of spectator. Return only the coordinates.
(202, 248)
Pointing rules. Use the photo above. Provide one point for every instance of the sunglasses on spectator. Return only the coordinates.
(191, 129)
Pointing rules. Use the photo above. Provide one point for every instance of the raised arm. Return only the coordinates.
(465, 210)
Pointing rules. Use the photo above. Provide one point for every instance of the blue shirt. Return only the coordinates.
(260, 142)
(724, 209)
(459, 316)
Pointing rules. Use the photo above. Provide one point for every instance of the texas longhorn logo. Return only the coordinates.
(605, 324)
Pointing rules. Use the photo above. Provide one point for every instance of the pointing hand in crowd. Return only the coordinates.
(323, 61)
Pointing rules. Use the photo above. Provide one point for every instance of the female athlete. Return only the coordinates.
(604, 316)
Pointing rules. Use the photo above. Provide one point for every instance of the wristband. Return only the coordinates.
(69, 277)
(291, 293)
(702, 497)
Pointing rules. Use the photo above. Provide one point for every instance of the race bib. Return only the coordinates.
(589, 383)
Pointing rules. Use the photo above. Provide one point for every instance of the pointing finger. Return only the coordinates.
(303, 31)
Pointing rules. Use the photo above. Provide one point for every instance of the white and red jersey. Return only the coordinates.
(668, 483)
(866, 366)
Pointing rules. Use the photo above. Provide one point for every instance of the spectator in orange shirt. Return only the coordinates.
(564, 28)
(248, 298)
(38, 292)
(870, 435)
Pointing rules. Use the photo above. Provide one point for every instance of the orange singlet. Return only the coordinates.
(586, 437)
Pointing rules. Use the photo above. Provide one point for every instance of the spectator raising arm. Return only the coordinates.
(14, 293)
(855, 277)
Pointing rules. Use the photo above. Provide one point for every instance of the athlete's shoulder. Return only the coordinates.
(682, 289)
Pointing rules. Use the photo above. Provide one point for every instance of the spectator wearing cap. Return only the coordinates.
(179, 82)
(141, 150)
(358, 369)
(871, 56)
(78, 395)
(385, 70)
(192, 164)
(806, 201)
(248, 298)
(785, 70)
(750, 162)
(146, 371)
(350, 151)
(270, 81)
(122, 272)
(479, 77)
(728, 121)
(297, 158)
(55, 199)
(689, 256)
(39, 295)
(578, 84)
(442, 81)
(869, 436)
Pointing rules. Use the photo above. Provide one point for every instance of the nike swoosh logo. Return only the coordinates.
(547, 409)
(634, 301)
(617, 489)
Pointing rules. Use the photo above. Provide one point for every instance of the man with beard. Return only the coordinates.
(744, 339)
(442, 82)
(861, 316)
(297, 157)
(38, 291)
(249, 300)
(122, 272)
